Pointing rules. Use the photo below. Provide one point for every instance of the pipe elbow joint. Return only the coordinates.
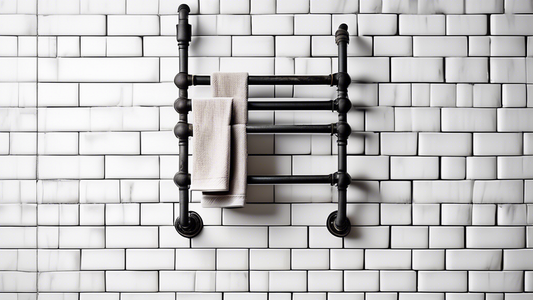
(343, 180)
(343, 105)
(343, 80)
(182, 179)
(181, 80)
(182, 105)
(343, 130)
(181, 130)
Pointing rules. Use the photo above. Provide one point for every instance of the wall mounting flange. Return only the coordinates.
(193, 229)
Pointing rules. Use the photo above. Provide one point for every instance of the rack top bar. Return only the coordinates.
(268, 80)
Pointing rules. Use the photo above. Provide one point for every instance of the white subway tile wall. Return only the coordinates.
(441, 152)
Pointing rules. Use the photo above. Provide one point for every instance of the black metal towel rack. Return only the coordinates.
(189, 224)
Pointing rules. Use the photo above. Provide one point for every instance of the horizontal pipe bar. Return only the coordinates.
(267, 80)
(285, 105)
(301, 179)
(331, 128)
(291, 105)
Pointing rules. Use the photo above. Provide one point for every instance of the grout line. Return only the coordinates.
(37, 150)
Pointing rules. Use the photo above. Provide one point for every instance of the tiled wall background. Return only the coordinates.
(441, 154)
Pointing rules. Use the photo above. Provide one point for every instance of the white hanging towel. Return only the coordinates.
(234, 85)
(211, 144)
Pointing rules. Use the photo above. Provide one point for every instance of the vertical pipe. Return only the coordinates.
(343, 106)
(183, 31)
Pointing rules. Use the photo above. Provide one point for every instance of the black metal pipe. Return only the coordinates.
(183, 35)
(298, 179)
(269, 80)
(342, 39)
(291, 105)
(331, 128)
(281, 105)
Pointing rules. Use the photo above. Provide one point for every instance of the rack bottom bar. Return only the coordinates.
(291, 105)
(331, 128)
(326, 179)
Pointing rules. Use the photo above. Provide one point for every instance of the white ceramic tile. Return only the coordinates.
(449, 144)
(361, 281)
(131, 281)
(439, 46)
(330, 281)
(393, 45)
(310, 259)
(404, 7)
(409, 237)
(426, 214)
(270, 259)
(442, 281)
(232, 259)
(81, 237)
(484, 214)
(337, 6)
(467, 69)
(258, 214)
(473, 259)
(320, 237)
(86, 281)
(225, 237)
(514, 95)
(395, 214)
(368, 237)
(479, 46)
(511, 214)
(273, 24)
(131, 237)
(422, 24)
(346, 259)
(288, 237)
(395, 191)
(468, 119)
(428, 259)
(387, 259)
(377, 24)
(495, 281)
(283, 281)
(395, 94)
(315, 24)
(397, 281)
(466, 25)
(446, 237)
(452, 191)
(232, 281)
(19, 260)
(141, 259)
(414, 168)
(507, 70)
(495, 237)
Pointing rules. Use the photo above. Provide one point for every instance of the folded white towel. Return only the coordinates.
(211, 142)
(233, 85)
(236, 195)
